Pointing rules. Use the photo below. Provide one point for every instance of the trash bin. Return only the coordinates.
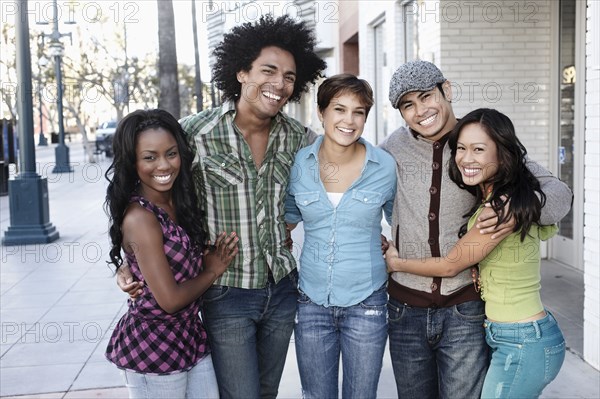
(54, 138)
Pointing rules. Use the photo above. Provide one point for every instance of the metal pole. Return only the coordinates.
(61, 150)
(126, 72)
(28, 192)
(24, 101)
(43, 141)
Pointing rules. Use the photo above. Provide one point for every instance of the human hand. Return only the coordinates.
(289, 243)
(384, 244)
(391, 256)
(487, 220)
(127, 284)
(217, 257)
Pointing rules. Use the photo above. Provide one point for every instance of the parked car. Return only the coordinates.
(104, 136)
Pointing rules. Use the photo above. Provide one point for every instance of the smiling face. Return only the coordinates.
(344, 119)
(429, 113)
(157, 161)
(269, 83)
(476, 155)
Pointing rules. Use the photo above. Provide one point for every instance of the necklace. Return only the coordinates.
(487, 193)
(476, 279)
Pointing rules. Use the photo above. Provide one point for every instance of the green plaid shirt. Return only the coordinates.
(236, 196)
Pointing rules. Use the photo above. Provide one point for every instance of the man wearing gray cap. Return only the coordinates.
(437, 340)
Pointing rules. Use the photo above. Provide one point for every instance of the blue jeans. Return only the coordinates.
(198, 382)
(525, 357)
(358, 333)
(249, 332)
(438, 353)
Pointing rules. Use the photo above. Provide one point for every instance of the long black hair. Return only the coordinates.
(242, 46)
(513, 180)
(123, 179)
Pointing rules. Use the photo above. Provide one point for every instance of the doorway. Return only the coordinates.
(566, 247)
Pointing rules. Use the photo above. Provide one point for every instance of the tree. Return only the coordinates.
(97, 77)
(8, 73)
(198, 80)
(187, 89)
(167, 59)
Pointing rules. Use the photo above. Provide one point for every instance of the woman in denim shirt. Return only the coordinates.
(339, 187)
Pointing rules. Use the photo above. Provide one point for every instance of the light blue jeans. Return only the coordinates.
(438, 352)
(358, 333)
(198, 382)
(525, 357)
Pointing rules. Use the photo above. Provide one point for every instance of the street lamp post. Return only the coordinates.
(42, 63)
(57, 51)
(27, 192)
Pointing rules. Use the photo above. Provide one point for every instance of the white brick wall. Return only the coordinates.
(591, 230)
(429, 30)
(497, 54)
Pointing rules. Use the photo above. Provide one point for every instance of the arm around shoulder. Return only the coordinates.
(559, 197)
(311, 135)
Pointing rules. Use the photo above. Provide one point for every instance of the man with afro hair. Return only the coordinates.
(244, 153)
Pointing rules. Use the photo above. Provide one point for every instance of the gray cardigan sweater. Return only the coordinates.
(428, 213)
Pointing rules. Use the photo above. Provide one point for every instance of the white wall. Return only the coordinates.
(498, 57)
(497, 54)
(591, 229)
(368, 13)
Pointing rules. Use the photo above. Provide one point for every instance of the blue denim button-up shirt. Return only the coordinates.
(341, 262)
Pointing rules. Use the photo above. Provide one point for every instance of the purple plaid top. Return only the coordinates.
(147, 339)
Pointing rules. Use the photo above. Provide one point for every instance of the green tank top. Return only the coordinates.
(510, 274)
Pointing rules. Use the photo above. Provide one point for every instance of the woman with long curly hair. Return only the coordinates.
(526, 343)
(160, 344)
(244, 150)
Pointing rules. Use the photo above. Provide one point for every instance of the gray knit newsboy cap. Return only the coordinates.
(414, 76)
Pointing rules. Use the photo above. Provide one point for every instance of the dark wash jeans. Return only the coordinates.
(249, 332)
(438, 353)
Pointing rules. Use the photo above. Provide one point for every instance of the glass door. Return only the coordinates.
(564, 246)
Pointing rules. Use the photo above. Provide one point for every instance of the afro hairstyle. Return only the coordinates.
(242, 46)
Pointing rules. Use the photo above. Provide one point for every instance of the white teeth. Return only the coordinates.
(162, 179)
(471, 171)
(428, 121)
(271, 96)
(345, 130)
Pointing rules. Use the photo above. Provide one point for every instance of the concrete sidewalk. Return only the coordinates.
(59, 303)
